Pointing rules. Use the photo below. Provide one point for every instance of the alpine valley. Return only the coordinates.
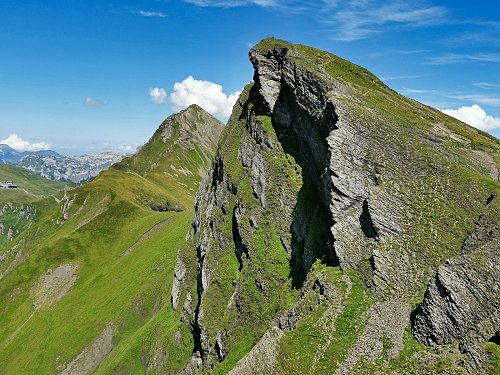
(332, 226)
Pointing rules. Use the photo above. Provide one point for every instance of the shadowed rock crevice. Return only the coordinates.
(194, 324)
(366, 222)
(303, 136)
(220, 347)
(495, 339)
(218, 171)
(195, 327)
(240, 248)
(490, 198)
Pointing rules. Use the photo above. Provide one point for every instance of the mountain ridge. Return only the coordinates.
(10, 156)
(76, 169)
(95, 265)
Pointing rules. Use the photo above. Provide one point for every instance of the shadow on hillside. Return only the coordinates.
(304, 138)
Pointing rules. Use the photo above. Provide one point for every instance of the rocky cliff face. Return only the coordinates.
(331, 203)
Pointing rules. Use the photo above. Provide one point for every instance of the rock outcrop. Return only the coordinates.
(463, 298)
(89, 359)
(53, 285)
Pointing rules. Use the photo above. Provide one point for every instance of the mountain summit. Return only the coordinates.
(343, 227)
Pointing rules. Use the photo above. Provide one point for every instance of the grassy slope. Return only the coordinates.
(31, 184)
(30, 195)
(106, 217)
(445, 185)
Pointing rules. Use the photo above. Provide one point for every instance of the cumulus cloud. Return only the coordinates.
(208, 95)
(145, 13)
(157, 94)
(91, 102)
(18, 144)
(474, 116)
(127, 149)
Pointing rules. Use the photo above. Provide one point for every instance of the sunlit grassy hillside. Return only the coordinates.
(89, 285)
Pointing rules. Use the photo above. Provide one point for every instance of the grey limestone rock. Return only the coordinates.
(10, 234)
(361, 187)
(179, 274)
(387, 321)
(463, 297)
(462, 301)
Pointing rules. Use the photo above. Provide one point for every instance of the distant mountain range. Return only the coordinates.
(10, 156)
(54, 166)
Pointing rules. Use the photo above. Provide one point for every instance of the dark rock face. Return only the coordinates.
(316, 169)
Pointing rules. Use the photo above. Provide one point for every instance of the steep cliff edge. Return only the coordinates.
(331, 203)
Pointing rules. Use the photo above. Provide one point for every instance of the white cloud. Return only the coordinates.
(91, 102)
(145, 13)
(349, 20)
(474, 116)
(157, 94)
(127, 149)
(208, 95)
(452, 58)
(21, 145)
(234, 3)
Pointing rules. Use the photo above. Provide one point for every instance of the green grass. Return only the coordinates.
(108, 295)
(298, 347)
(493, 349)
(31, 185)
(105, 217)
(270, 43)
(24, 205)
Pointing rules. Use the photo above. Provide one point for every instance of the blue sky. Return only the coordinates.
(94, 75)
